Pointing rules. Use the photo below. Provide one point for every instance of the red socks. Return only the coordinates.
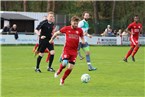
(66, 73)
(48, 56)
(135, 51)
(35, 47)
(132, 51)
(129, 52)
(60, 69)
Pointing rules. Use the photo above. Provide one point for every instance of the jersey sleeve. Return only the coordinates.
(129, 26)
(81, 24)
(63, 30)
(40, 25)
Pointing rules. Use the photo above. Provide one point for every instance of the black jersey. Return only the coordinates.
(46, 29)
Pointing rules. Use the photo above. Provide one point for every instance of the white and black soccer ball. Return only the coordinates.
(85, 78)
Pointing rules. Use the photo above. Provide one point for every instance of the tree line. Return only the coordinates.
(118, 14)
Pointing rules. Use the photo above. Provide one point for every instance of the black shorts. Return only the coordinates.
(43, 44)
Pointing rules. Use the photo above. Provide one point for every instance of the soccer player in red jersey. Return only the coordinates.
(134, 29)
(72, 35)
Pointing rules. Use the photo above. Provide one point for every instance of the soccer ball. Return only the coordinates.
(85, 78)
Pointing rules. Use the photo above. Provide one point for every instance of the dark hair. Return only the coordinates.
(75, 18)
(136, 16)
(84, 13)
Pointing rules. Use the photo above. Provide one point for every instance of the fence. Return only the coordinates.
(95, 40)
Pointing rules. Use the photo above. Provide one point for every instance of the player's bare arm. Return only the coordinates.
(57, 37)
(37, 32)
(55, 30)
(54, 36)
(140, 32)
(128, 31)
(83, 40)
(88, 35)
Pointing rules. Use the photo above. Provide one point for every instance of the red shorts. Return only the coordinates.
(134, 41)
(46, 51)
(71, 56)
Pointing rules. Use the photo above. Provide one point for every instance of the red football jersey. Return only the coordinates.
(71, 38)
(135, 29)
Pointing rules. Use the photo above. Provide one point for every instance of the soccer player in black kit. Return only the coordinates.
(45, 31)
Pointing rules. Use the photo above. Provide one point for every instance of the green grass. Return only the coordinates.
(113, 77)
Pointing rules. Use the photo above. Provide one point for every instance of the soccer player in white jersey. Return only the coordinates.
(85, 27)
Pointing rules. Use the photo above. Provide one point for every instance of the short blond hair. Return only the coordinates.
(50, 12)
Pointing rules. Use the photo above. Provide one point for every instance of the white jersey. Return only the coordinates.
(85, 27)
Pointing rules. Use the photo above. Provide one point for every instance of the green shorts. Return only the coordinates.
(84, 46)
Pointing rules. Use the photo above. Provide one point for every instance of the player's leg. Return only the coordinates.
(48, 55)
(66, 73)
(72, 60)
(64, 63)
(62, 66)
(41, 53)
(130, 50)
(135, 51)
(60, 58)
(38, 62)
(51, 58)
(88, 59)
(35, 47)
(52, 52)
(79, 53)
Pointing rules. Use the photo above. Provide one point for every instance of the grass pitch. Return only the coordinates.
(112, 78)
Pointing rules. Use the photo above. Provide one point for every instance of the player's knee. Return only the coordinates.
(87, 53)
(41, 54)
(70, 66)
(52, 52)
(87, 50)
(64, 62)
